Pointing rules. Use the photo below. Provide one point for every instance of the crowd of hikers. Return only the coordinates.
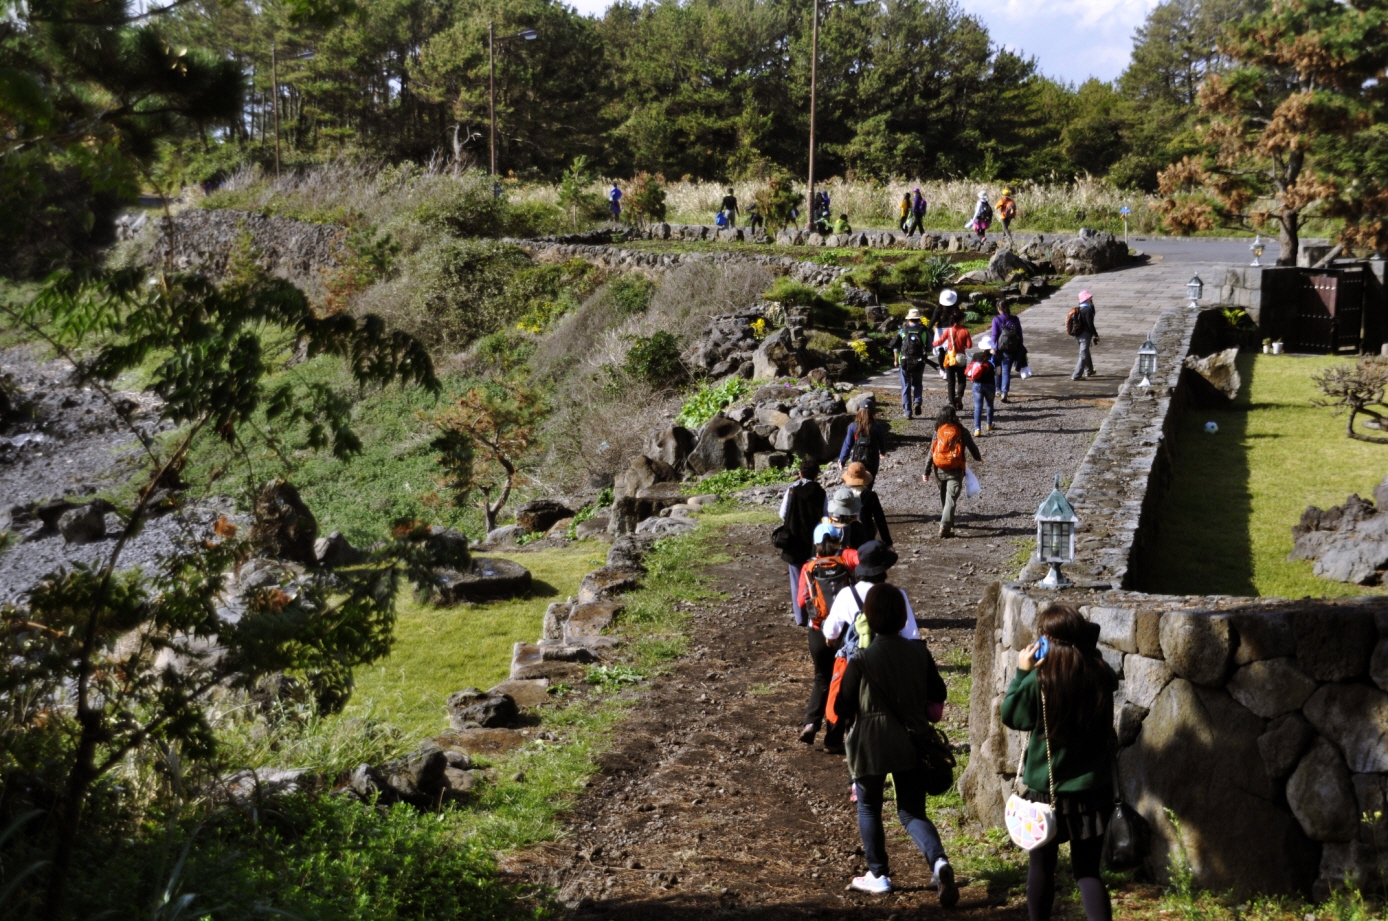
(877, 694)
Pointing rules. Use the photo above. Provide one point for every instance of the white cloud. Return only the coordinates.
(1071, 40)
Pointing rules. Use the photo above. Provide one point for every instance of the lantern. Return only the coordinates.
(1055, 535)
(1194, 288)
(1147, 362)
(1256, 247)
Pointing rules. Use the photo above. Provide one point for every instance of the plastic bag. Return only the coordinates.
(971, 484)
(1025, 372)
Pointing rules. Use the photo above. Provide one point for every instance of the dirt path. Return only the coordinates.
(708, 803)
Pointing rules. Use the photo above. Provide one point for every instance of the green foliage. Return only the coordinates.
(466, 208)
(655, 359)
(482, 440)
(453, 291)
(706, 401)
(578, 203)
(613, 677)
(727, 482)
(551, 291)
(631, 293)
(646, 198)
(791, 293)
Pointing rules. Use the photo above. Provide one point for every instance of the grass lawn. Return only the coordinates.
(1225, 526)
(441, 650)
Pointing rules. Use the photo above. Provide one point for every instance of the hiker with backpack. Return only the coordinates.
(1079, 324)
(802, 507)
(821, 580)
(846, 629)
(730, 208)
(1007, 210)
(954, 341)
(1062, 694)
(890, 692)
(1008, 346)
(909, 355)
(982, 375)
(858, 478)
(983, 216)
(948, 463)
(918, 209)
(939, 319)
(866, 440)
(843, 512)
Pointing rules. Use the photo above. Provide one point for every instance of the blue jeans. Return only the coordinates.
(1005, 365)
(911, 386)
(910, 809)
(983, 393)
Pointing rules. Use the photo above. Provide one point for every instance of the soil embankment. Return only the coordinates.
(708, 803)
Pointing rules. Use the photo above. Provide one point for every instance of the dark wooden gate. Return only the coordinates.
(1329, 312)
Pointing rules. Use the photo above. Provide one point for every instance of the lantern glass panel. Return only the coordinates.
(1195, 287)
(1146, 364)
(1055, 540)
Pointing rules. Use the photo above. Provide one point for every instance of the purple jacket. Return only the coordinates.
(999, 322)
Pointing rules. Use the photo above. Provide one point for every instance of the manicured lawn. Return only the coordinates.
(1225, 526)
(441, 650)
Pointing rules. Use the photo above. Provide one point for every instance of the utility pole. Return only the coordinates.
(491, 67)
(814, 66)
(275, 103)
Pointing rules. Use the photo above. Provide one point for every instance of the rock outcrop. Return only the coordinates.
(1348, 542)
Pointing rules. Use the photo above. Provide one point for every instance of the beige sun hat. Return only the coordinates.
(913, 314)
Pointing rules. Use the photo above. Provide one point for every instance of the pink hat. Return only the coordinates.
(1084, 296)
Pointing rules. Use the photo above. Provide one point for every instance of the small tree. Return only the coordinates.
(578, 202)
(103, 663)
(646, 200)
(1356, 389)
(776, 202)
(481, 441)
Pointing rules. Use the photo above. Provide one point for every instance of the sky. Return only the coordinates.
(1072, 40)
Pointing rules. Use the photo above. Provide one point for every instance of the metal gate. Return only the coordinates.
(1329, 313)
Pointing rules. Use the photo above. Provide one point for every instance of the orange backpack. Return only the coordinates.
(827, 576)
(947, 450)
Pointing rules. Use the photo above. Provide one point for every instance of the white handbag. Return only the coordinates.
(1032, 825)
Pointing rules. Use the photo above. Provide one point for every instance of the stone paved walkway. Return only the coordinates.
(1127, 303)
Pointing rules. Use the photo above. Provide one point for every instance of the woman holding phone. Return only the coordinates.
(1063, 695)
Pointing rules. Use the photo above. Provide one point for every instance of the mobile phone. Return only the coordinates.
(1043, 646)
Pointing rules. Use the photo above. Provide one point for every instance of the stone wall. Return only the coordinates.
(1262, 726)
(617, 257)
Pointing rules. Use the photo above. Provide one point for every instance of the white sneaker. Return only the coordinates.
(877, 885)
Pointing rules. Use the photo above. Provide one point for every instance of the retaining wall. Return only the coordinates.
(1261, 724)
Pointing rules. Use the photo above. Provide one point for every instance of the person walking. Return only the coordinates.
(821, 579)
(1079, 323)
(955, 341)
(858, 478)
(1007, 210)
(983, 216)
(842, 513)
(918, 209)
(802, 507)
(982, 379)
(1063, 695)
(866, 439)
(947, 461)
(903, 219)
(1008, 346)
(730, 208)
(887, 689)
(939, 319)
(754, 218)
(909, 356)
(614, 200)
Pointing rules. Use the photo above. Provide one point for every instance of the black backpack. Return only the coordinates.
(912, 344)
(1008, 343)
(985, 213)
(862, 447)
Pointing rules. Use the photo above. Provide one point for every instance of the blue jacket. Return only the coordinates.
(877, 445)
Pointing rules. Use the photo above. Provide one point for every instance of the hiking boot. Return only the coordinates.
(918, 409)
(1074, 377)
(945, 886)
(988, 428)
(977, 432)
(808, 733)
(1004, 396)
(871, 882)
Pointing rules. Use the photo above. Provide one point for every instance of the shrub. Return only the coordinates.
(726, 482)
(646, 198)
(707, 402)
(631, 293)
(465, 208)
(791, 293)
(655, 359)
(821, 341)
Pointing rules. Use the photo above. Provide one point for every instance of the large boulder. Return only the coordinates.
(800, 436)
(1348, 542)
(1284, 743)
(1006, 263)
(1144, 678)
(1334, 644)
(1355, 718)
(605, 583)
(833, 430)
(1219, 371)
(335, 550)
(471, 708)
(717, 448)
(1321, 795)
(488, 579)
(1197, 646)
(1193, 756)
(538, 515)
(1271, 687)
(641, 473)
(1262, 635)
(672, 446)
(85, 524)
(1089, 254)
(779, 355)
(284, 527)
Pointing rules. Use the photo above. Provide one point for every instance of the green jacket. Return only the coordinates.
(904, 670)
(1080, 766)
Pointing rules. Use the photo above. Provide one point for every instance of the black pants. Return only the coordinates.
(955, 375)
(915, 224)
(1084, 859)
(822, 656)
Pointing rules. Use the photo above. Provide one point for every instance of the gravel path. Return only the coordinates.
(707, 803)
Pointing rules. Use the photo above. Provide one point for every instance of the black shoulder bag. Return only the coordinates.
(931, 745)
(1125, 839)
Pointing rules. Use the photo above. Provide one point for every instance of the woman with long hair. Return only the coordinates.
(1063, 695)
(866, 440)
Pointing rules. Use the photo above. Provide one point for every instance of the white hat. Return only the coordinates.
(949, 297)
(913, 314)
(983, 194)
